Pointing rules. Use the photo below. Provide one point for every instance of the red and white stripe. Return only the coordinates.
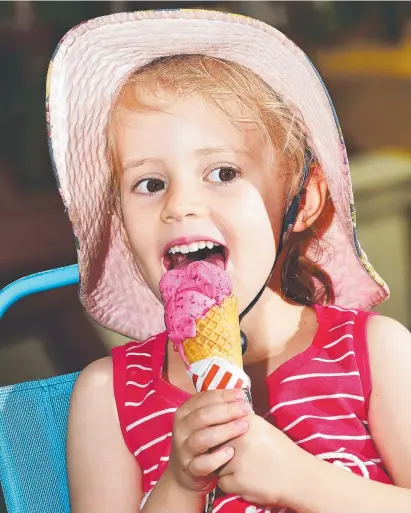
(216, 374)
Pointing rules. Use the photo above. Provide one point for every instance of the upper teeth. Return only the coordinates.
(191, 248)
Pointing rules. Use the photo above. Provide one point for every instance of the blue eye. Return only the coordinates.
(150, 186)
(223, 174)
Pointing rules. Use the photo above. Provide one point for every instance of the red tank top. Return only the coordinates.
(319, 398)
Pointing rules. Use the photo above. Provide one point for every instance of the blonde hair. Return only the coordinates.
(280, 124)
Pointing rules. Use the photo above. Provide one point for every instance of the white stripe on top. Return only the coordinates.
(150, 444)
(154, 467)
(140, 403)
(314, 398)
(320, 375)
(131, 348)
(139, 385)
(138, 354)
(332, 344)
(333, 437)
(336, 360)
(341, 325)
(149, 417)
(222, 503)
(342, 309)
(351, 464)
(136, 366)
(140, 344)
(303, 417)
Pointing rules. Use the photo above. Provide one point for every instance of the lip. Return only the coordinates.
(194, 238)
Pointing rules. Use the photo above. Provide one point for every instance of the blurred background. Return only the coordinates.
(362, 50)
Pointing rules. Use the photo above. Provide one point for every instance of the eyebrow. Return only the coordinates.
(209, 151)
(136, 163)
(201, 151)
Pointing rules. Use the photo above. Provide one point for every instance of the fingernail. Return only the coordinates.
(240, 394)
(241, 424)
(229, 451)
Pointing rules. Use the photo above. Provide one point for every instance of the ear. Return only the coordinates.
(313, 199)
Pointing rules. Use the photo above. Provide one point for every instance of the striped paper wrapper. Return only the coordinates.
(217, 373)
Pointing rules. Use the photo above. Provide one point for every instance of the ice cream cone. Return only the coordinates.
(217, 335)
(201, 316)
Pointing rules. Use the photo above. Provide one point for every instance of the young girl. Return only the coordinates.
(179, 131)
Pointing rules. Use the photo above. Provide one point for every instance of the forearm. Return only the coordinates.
(334, 489)
(168, 497)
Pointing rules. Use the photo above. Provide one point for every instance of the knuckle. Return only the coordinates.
(203, 416)
(179, 414)
(238, 408)
(199, 441)
(189, 444)
(177, 441)
(185, 463)
(231, 429)
(194, 468)
(232, 409)
(200, 398)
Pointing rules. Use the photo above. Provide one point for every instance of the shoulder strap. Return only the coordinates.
(361, 352)
(119, 382)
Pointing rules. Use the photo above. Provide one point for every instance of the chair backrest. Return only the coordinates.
(33, 421)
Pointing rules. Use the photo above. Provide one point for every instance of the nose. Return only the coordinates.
(182, 201)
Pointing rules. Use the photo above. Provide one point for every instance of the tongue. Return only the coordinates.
(181, 261)
(216, 259)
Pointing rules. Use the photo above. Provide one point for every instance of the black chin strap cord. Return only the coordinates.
(289, 220)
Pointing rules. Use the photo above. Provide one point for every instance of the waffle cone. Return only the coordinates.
(218, 334)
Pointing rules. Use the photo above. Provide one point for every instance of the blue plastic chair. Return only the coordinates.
(33, 421)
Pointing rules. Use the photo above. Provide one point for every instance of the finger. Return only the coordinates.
(206, 464)
(216, 414)
(210, 397)
(209, 438)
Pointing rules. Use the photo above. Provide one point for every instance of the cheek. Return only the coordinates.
(140, 238)
(256, 221)
(260, 241)
(253, 243)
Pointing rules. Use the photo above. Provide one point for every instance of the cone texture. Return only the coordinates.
(218, 334)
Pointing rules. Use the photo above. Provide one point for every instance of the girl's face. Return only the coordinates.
(192, 175)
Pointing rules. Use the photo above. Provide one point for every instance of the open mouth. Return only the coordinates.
(178, 257)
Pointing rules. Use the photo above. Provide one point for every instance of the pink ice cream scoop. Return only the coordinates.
(188, 293)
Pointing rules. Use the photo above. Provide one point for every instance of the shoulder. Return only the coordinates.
(388, 340)
(93, 394)
(389, 347)
(99, 463)
(380, 325)
(95, 378)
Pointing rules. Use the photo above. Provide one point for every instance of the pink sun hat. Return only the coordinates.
(86, 71)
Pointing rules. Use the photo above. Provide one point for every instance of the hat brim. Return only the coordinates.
(88, 67)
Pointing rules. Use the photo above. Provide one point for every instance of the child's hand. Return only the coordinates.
(207, 420)
(264, 467)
